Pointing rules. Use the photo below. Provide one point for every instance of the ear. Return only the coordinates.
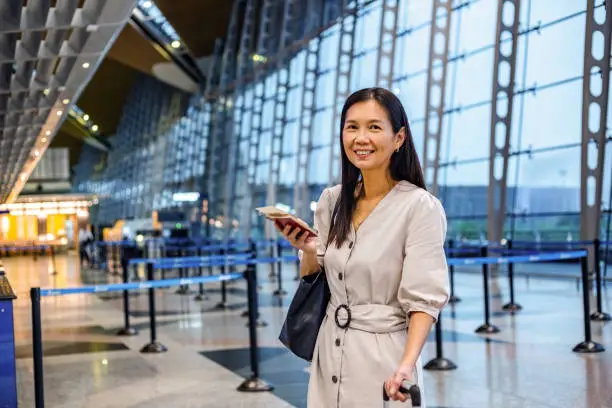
(400, 136)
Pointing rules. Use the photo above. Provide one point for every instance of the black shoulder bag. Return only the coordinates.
(305, 315)
(306, 312)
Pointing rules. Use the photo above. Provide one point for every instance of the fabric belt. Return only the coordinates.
(373, 318)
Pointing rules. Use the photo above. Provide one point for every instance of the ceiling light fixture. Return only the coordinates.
(46, 91)
(36, 153)
(43, 140)
(59, 113)
(85, 65)
(147, 4)
(66, 101)
(175, 44)
(85, 117)
(48, 133)
(94, 128)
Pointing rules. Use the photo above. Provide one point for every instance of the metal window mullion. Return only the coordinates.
(387, 39)
(259, 95)
(501, 121)
(283, 77)
(308, 108)
(594, 106)
(222, 116)
(436, 90)
(236, 136)
(344, 64)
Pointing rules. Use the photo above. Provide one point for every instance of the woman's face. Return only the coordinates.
(368, 137)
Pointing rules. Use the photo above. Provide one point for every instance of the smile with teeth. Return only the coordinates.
(363, 153)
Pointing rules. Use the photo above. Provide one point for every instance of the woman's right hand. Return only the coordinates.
(305, 242)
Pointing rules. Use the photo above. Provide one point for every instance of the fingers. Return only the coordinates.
(392, 385)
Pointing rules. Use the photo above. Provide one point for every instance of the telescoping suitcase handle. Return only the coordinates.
(414, 392)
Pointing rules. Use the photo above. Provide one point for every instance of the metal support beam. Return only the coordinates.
(263, 50)
(223, 118)
(387, 39)
(344, 62)
(283, 77)
(501, 113)
(236, 137)
(301, 192)
(436, 85)
(595, 90)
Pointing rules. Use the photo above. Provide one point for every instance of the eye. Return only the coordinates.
(351, 126)
(374, 127)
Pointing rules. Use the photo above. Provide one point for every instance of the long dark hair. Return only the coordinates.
(405, 164)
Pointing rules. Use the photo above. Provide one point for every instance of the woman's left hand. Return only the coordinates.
(393, 383)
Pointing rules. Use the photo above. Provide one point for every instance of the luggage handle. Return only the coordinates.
(414, 392)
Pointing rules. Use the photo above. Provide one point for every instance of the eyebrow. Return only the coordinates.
(369, 121)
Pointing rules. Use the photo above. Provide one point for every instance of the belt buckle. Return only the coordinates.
(348, 320)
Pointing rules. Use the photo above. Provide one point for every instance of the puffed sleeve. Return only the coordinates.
(322, 221)
(424, 284)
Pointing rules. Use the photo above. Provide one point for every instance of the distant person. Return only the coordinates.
(380, 241)
(85, 241)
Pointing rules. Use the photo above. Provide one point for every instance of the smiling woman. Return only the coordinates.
(380, 238)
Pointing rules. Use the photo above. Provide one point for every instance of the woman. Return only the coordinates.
(380, 241)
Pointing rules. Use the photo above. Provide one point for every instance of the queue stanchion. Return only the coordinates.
(486, 327)
(279, 290)
(37, 352)
(451, 268)
(440, 363)
(512, 306)
(127, 330)
(599, 315)
(183, 273)
(588, 345)
(201, 294)
(222, 305)
(53, 269)
(253, 383)
(154, 346)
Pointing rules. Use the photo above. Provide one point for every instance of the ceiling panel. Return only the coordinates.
(49, 50)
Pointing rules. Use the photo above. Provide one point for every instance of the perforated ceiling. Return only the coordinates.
(49, 51)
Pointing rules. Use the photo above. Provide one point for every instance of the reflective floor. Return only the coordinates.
(530, 363)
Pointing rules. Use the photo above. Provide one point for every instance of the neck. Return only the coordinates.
(377, 183)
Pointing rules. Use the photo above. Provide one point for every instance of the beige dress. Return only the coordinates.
(393, 265)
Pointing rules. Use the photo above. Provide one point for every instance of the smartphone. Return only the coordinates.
(283, 218)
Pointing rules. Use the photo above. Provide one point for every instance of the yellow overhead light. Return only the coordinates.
(59, 113)
(48, 133)
(44, 140)
(94, 128)
(66, 101)
(85, 117)
(175, 44)
(36, 153)
(85, 65)
(46, 91)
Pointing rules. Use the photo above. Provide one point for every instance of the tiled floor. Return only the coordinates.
(530, 363)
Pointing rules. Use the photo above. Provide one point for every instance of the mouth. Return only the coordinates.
(363, 153)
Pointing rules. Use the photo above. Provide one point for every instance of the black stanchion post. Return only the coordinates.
(223, 303)
(588, 345)
(487, 327)
(451, 268)
(253, 383)
(183, 273)
(201, 294)
(439, 363)
(37, 352)
(279, 252)
(599, 315)
(127, 330)
(511, 307)
(154, 346)
(53, 270)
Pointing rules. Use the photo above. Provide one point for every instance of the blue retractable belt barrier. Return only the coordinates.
(552, 243)
(186, 259)
(553, 256)
(140, 285)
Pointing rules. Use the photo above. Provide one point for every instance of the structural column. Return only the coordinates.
(436, 84)
(344, 63)
(501, 113)
(387, 39)
(301, 193)
(264, 38)
(595, 85)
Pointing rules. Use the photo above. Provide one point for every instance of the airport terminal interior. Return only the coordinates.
(138, 138)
